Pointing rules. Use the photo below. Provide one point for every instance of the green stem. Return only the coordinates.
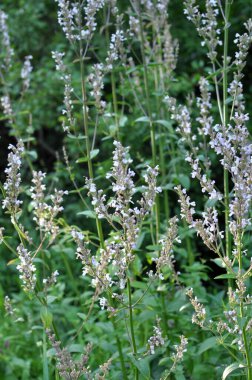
(118, 343)
(133, 340)
(85, 123)
(225, 122)
(247, 354)
(85, 115)
(190, 254)
(113, 82)
(70, 273)
(244, 334)
(152, 129)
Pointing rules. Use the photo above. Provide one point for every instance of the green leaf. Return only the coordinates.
(184, 180)
(224, 276)
(142, 365)
(82, 159)
(94, 153)
(82, 316)
(219, 262)
(165, 123)
(154, 247)
(231, 368)
(45, 361)
(75, 348)
(13, 261)
(51, 299)
(207, 344)
(138, 285)
(46, 317)
(143, 119)
(137, 266)
(79, 137)
(88, 214)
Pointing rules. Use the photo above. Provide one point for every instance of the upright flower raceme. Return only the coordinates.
(206, 24)
(6, 105)
(5, 41)
(70, 15)
(68, 91)
(26, 269)
(109, 267)
(156, 340)
(44, 213)
(66, 15)
(26, 72)
(13, 180)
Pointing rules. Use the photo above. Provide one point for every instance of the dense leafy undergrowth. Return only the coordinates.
(126, 190)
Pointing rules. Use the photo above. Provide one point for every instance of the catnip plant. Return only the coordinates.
(228, 137)
(103, 274)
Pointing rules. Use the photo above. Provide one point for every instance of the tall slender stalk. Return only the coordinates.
(152, 129)
(85, 124)
(90, 171)
(132, 332)
(244, 333)
(225, 122)
(113, 88)
(115, 107)
(118, 342)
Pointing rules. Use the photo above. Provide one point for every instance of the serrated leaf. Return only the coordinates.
(231, 368)
(207, 344)
(142, 365)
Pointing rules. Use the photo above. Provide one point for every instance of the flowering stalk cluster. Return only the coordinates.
(199, 316)
(5, 42)
(166, 257)
(67, 367)
(44, 213)
(156, 340)
(110, 267)
(69, 15)
(26, 72)
(13, 180)
(67, 80)
(50, 281)
(6, 106)
(8, 306)
(206, 24)
(180, 349)
(230, 140)
(26, 269)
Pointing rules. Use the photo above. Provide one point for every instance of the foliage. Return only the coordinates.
(126, 190)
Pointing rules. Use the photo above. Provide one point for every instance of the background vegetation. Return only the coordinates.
(25, 352)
